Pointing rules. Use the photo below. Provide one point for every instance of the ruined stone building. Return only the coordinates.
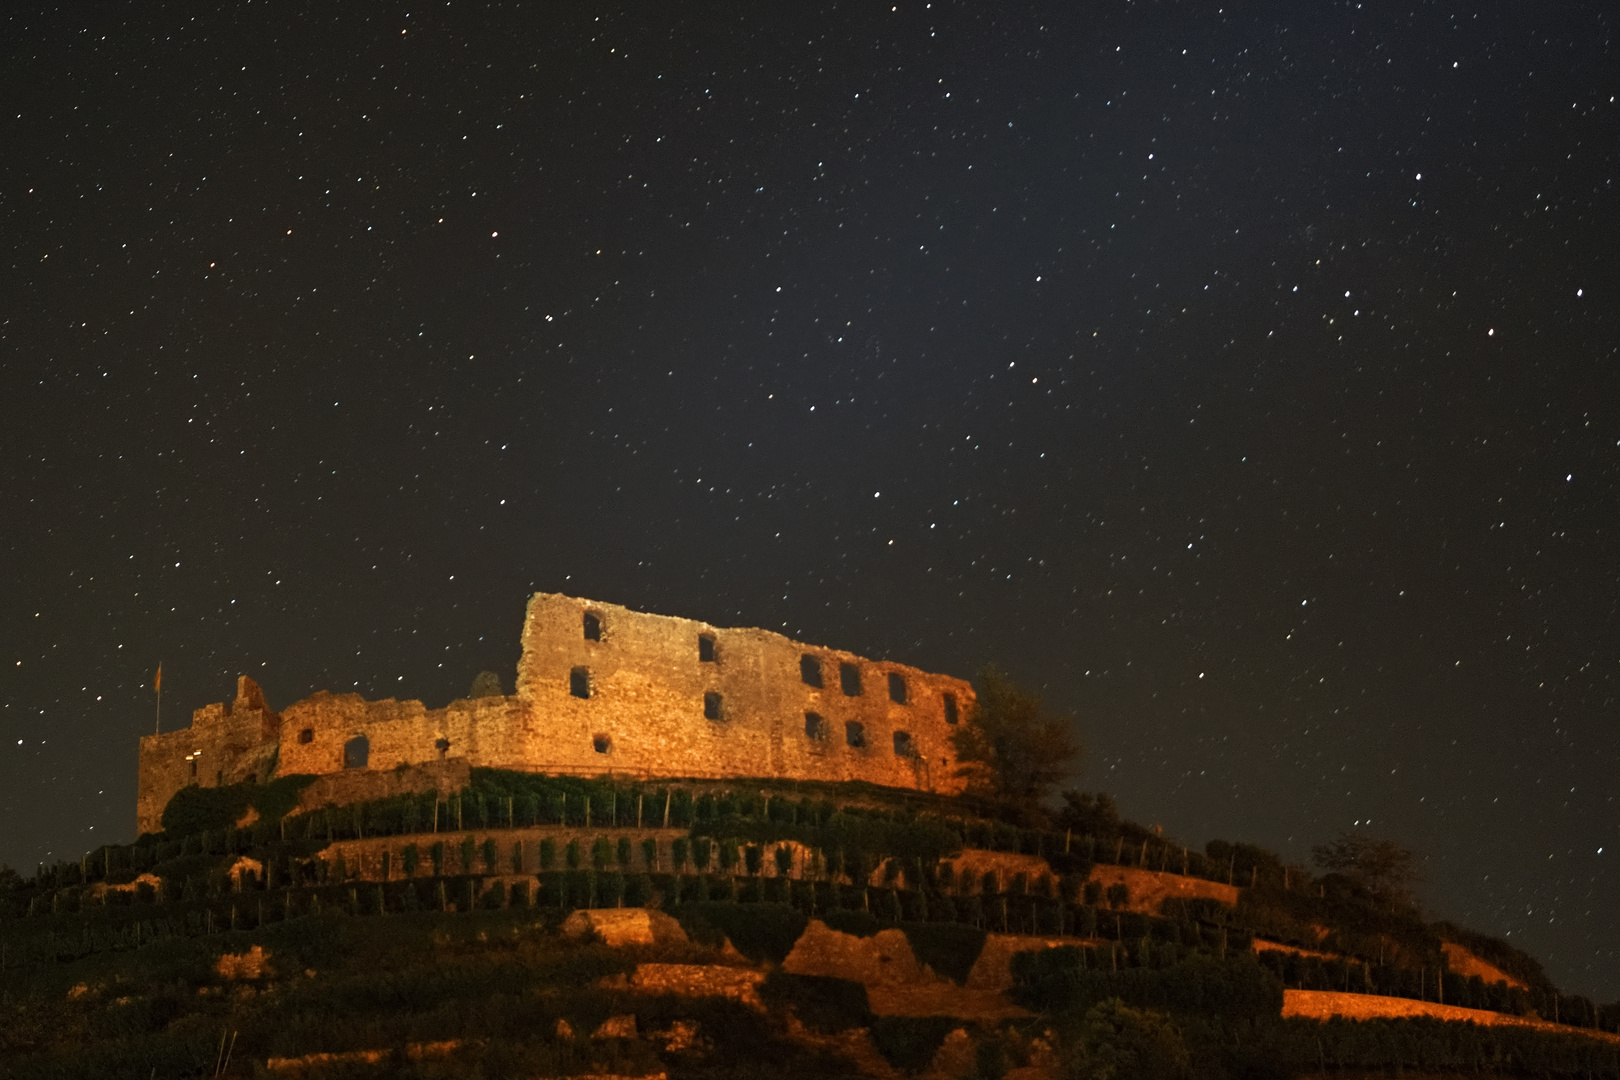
(600, 689)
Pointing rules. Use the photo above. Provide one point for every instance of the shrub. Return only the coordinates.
(1117, 1042)
(854, 921)
(1064, 978)
(197, 809)
(951, 949)
(761, 932)
(823, 1004)
(909, 1043)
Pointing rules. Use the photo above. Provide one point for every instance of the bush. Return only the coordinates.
(1117, 1042)
(854, 921)
(1064, 978)
(197, 809)
(909, 1043)
(822, 1003)
(761, 932)
(951, 949)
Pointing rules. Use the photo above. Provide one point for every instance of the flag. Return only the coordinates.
(157, 681)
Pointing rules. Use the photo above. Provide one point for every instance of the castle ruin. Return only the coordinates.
(600, 690)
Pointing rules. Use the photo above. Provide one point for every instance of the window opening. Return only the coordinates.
(602, 743)
(356, 752)
(706, 648)
(950, 709)
(855, 733)
(849, 677)
(903, 746)
(593, 626)
(579, 682)
(711, 706)
(810, 671)
(897, 688)
(307, 735)
(193, 762)
(442, 745)
(814, 726)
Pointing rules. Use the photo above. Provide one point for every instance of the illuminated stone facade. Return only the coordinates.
(601, 689)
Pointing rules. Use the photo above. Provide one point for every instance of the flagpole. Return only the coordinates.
(157, 684)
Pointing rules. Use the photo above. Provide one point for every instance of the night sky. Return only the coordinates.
(1243, 379)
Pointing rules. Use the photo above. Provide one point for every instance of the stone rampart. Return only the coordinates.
(601, 690)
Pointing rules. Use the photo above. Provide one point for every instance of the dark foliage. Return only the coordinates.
(909, 1043)
(1012, 750)
(198, 809)
(951, 949)
(1067, 978)
(762, 932)
(1495, 951)
(821, 1003)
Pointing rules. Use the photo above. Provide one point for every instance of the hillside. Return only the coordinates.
(534, 926)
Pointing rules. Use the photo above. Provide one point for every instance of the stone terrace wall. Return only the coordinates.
(645, 715)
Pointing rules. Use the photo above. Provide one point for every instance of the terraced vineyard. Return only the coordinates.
(440, 935)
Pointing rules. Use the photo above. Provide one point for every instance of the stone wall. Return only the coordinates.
(601, 690)
(225, 744)
(648, 685)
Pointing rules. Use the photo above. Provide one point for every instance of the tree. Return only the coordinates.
(486, 684)
(1088, 815)
(1011, 750)
(1117, 1042)
(1382, 867)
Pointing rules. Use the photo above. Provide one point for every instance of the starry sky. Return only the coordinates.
(1243, 379)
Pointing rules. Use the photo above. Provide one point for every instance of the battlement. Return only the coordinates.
(602, 689)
